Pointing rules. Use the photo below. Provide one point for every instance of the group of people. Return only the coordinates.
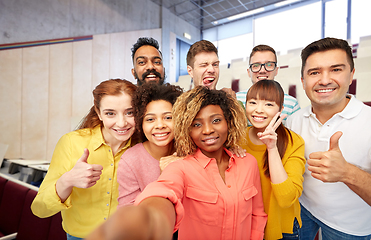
(235, 167)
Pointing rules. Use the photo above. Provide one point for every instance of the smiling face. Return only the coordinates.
(148, 65)
(209, 130)
(158, 124)
(205, 70)
(260, 112)
(326, 79)
(262, 57)
(116, 114)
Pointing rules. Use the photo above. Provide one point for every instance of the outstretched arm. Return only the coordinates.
(153, 218)
(330, 166)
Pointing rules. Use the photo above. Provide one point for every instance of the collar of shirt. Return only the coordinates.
(97, 139)
(204, 160)
(352, 109)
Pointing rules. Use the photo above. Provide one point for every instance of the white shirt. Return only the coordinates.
(335, 204)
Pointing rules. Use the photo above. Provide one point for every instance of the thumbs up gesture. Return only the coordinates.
(83, 174)
(329, 166)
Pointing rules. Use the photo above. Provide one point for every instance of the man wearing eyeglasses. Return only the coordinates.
(263, 65)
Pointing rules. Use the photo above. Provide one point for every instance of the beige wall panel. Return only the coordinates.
(156, 34)
(60, 97)
(10, 101)
(101, 59)
(118, 51)
(82, 99)
(364, 86)
(35, 93)
(130, 39)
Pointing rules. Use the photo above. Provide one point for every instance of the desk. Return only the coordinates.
(25, 167)
(26, 163)
(40, 167)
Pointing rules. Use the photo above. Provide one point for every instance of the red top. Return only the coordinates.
(208, 208)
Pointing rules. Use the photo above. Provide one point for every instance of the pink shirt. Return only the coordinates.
(136, 169)
(208, 208)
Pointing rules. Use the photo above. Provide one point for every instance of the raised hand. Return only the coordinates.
(83, 174)
(238, 151)
(269, 136)
(329, 166)
(164, 161)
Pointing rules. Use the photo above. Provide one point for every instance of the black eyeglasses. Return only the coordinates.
(269, 66)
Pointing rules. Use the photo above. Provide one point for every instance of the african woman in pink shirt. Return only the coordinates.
(211, 193)
(139, 165)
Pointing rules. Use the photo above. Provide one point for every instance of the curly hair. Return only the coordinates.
(144, 41)
(190, 103)
(147, 93)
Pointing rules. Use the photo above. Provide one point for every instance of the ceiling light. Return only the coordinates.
(246, 14)
(187, 35)
(287, 2)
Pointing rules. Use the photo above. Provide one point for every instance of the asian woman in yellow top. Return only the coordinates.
(280, 156)
(81, 181)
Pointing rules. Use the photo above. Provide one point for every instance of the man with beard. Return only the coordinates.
(147, 61)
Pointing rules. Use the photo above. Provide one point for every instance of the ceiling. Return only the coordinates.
(201, 13)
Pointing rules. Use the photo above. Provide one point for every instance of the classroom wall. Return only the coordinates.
(25, 21)
(46, 90)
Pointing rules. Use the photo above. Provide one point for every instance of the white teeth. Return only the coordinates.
(210, 140)
(259, 118)
(121, 132)
(151, 76)
(160, 135)
(325, 90)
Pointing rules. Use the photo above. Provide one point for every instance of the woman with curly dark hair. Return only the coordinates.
(211, 193)
(139, 165)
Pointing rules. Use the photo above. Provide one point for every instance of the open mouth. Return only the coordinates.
(258, 118)
(207, 81)
(325, 90)
(123, 131)
(262, 77)
(210, 140)
(151, 75)
(161, 136)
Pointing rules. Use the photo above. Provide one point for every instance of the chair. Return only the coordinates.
(30, 225)
(11, 207)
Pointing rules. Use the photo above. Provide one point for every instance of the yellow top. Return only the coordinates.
(281, 201)
(84, 209)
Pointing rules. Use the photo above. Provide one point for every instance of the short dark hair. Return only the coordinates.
(323, 45)
(197, 47)
(143, 41)
(262, 48)
(150, 92)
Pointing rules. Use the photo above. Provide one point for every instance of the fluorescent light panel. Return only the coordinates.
(255, 11)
